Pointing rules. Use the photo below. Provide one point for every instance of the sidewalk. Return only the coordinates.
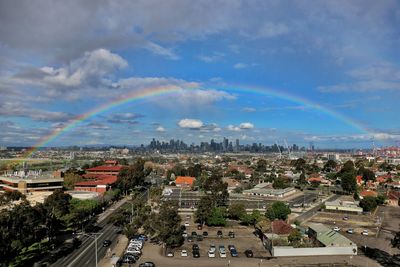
(117, 250)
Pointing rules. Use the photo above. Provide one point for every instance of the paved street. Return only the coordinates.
(85, 255)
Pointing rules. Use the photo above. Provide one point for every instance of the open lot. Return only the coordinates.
(358, 222)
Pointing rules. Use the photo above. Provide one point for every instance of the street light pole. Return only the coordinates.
(95, 241)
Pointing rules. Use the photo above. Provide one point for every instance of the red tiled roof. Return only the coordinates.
(280, 227)
(105, 181)
(106, 168)
(184, 180)
(315, 179)
(368, 193)
(96, 176)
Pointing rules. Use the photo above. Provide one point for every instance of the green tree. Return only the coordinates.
(204, 209)
(58, 203)
(381, 199)
(396, 240)
(294, 236)
(168, 224)
(70, 179)
(348, 182)
(251, 219)
(348, 166)
(236, 211)
(132, 176)
(302, 179)
(368, 175)
(217, 189)
(330, 166)
(217, 217)
(368, 203)
(300, 164)
(279, 183)
(278, 210)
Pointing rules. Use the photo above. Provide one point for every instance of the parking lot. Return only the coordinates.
(244, 239)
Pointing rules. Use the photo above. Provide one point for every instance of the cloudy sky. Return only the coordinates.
(262, 71)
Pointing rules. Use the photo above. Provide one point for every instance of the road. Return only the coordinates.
(85, 255)
(306, 215)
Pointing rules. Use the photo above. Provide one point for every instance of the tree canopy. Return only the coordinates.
(278, 210)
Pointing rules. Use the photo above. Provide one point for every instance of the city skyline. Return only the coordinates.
(326, 73)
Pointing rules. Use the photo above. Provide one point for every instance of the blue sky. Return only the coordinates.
(60, 60)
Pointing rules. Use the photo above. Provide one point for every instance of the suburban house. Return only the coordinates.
(184, 181)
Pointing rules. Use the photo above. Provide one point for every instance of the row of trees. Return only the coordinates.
(24, 225)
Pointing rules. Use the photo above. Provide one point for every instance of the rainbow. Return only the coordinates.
(171, 89)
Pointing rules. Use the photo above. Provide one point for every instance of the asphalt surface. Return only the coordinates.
(306, 215)
(85, 255)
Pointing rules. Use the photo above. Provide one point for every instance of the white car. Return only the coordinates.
(222, 254)
(350, 231)
(364, 232)
(186, 224)
(184, 253)
(337, 229)
(211, 253)
(212, 248)
(184, 234)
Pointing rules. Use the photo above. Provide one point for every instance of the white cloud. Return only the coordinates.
(242, 126)
(377, 77)
(246, 125)
(233, 128)
(214, 57)
(270, 29)
(239, 66)
(190, 123)
(160, 129)
(248, 109)
(93, 67)
(162, 51)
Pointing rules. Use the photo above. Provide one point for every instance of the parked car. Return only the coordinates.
(222, 251)
(184, 253)
(230, 247)
(147, 264)
(350, 231)
(231, 234)
(127, 258)
(364, 232)
(106, 243)
(219, 233)
(184, 234)
(170, 253)
(187, 224)
(194, 234)
(337, 229)
(205, 233)
(345, 218)
(234, 252)
(199, 227)
(249, 253)
(212, 247)
(195, 247)
(196, 254)
(190, 239)
(211, 254)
